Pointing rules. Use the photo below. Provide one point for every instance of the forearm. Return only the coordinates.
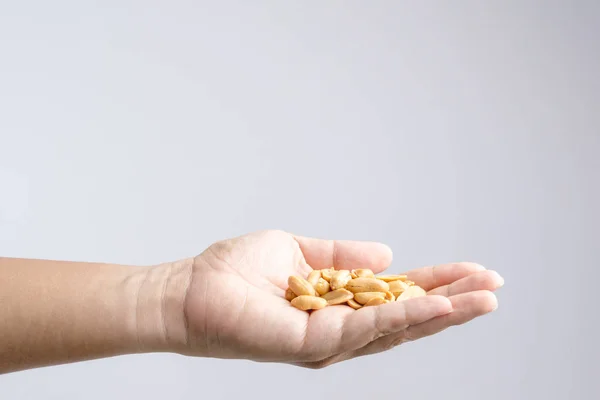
(55, 312)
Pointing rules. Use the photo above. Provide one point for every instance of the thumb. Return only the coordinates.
(345, 254)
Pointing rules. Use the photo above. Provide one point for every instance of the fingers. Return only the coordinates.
(431, 277)
(484, 280)
(338, 330)
(348, 254)
(370, 323)
(345, 254)
(465, 307)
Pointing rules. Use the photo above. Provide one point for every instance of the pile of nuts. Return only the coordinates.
(356, 288)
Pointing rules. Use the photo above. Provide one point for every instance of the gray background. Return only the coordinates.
(141, 132)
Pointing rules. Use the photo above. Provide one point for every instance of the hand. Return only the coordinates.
(235, 305)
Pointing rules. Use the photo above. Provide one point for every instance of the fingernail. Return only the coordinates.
(499, 279)
(449, 305)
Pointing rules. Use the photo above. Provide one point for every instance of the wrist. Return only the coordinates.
(160, 324)
(57, 311)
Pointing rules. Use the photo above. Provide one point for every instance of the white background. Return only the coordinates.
(141, 132)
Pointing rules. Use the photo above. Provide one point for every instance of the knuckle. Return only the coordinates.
(381, 327)
(458, 265)
(221, 247)
(312, 361)
(315, 358)
(318, 365)
(406, 336)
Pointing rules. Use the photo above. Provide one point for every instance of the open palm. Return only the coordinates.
(235, 306)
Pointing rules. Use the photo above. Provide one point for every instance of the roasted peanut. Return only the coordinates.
(367, 285)
(322, 286)
(397, 287)
(390, 278)
(300, 286)
(339, 279)
(412, 292)
(375, 301)
(305, 303)
(313, 278)
(327, 273)
(362, 273)
(352, 303)
(338, 296)
(364, 297)
(289, 294)
(356, 288)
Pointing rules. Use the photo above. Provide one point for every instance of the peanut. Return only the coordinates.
(364, 297)
(305, 303)
(362, 273)
(356, 289)
(354, 304)
(327, 273)
(322, 286)
(338, 296)
(376, 301)
(367, 285)
(339, 279)
(289, 294)
(390, 278)
(313, 278)
(300, 286)
(397, 287)
(412, 292)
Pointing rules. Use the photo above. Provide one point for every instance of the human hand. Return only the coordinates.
(235, 306)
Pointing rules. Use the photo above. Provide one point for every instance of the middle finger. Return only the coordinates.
(484, 280)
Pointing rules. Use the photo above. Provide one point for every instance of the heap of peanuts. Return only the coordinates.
(356, 288)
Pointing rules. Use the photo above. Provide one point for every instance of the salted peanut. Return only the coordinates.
(389, 296)
(305, 303)
(327, 273)
(322, 287)
(289, 294)
(339, 279)
(365, 297)
(367, 285)
(354, 304)
(376, 301)
(362, 273)
(390, 278)
(300, 286)
(313, 277)
(338, 296)
(412, 292)
(397, 287)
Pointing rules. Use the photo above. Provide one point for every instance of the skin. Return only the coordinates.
(227, 302)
